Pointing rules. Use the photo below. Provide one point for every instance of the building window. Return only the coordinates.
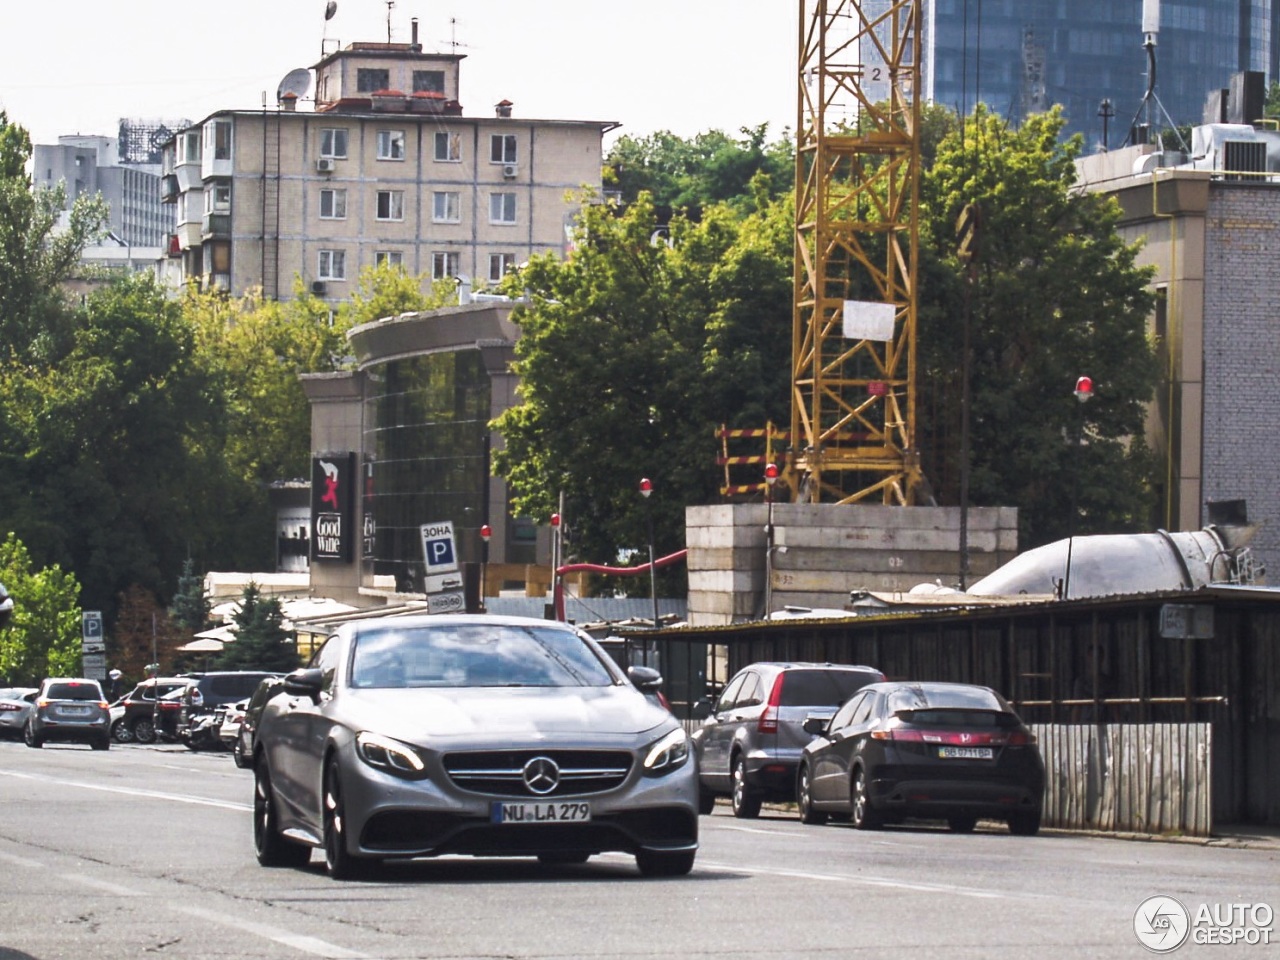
(445, 207)
(333, 265)
(390, 258)
(333, 142)
(502, 208)
(429, 80)
(217, 198)
(390, 144)
(390, 205)
(333, 204)
(500, 264)
(191, 147)
(217, 139)
(368, 80)
(502, 148)
(444, 266)
(448, 147)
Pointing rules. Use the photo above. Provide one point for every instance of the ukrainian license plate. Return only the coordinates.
(965, 753)
(546, 812)
(76, 711)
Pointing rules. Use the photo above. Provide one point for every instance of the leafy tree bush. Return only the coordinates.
(262, 642)
(43, 636)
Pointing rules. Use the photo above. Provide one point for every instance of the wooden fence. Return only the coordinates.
(1153, 778)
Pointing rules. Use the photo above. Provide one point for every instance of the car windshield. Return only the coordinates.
(73, 691)
(823, 688)
(466, 655)
(918, 697)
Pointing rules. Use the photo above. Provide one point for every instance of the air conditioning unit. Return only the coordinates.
(510, 171)
(324, 164)
(317, 287)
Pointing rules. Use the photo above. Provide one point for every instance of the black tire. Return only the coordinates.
(963, 824)
(144, 730)
(273, 850)
(341, 864)
(102, 743)
(804, 799)
(1025, 823)
(745, 803)
(864, 815)
(237, 754)
(30, 739)
(706, 801)
(665, 863)
(559, 858)
(120, 733)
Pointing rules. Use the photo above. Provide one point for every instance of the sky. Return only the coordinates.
(688, 66)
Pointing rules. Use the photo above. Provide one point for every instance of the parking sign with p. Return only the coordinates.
(438, 550)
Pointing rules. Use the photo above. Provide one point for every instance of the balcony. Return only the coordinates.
(169, 188)
(216, 225)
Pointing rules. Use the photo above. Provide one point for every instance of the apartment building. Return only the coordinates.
(386, 168)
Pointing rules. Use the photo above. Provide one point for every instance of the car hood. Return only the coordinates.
(503, 714)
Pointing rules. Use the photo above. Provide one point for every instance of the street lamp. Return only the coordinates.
(1084, 392)
(646, 488)
(770, 478)
(557, 601)
(485, 533)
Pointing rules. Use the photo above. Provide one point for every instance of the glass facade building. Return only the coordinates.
(1023, 56)
(426, 449)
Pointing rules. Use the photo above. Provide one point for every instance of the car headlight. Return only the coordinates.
(667, 754)
(389, 755)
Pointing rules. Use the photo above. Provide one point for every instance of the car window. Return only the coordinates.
(729, 698)
(863, 712)
(925, 696)
(843, 715)
(823, 688)
(73, 690)
(752, 692)
(465, 655)
(326, 661)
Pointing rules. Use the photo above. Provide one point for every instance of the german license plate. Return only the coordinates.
(965, 753)
(546, 812)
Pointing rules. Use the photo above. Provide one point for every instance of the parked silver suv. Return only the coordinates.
(749, 747)
(70, 708)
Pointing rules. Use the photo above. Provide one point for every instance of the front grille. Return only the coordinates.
(501, 772)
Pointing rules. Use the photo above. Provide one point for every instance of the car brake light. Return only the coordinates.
(768, 722)
(9, 707)
(662, 699)
(42, 702)
(1021, 738)
(104, 705)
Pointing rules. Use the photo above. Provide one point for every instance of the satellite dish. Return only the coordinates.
(297, 82)
(330, 9)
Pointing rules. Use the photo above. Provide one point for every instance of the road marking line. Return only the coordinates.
(21, 861)
(133, 791)
(319, 948)
(105, 885)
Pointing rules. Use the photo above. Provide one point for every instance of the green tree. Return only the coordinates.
(631, 352)
(123, 444)
(385, 290)
(35, 257)
(190, 607)
(262, 642)
(1057, 294)
(43, 636)
(712, 167)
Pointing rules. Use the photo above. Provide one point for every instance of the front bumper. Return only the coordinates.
(391, 817)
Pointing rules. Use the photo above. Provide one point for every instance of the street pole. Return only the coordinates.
(646, 488)
(1084, 390)
(485, 533)
(770, 478)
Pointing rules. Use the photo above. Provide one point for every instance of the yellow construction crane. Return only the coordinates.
(853, 402)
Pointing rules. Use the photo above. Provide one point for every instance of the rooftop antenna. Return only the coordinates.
(330, 8)
(1150, 30)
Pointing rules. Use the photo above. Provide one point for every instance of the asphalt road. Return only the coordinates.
(147, 852)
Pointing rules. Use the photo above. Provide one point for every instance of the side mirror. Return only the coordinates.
(815, 725)
(305, 682)
(645, 679)
(702, 710)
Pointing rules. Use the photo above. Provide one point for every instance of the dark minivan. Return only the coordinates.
(749, 747)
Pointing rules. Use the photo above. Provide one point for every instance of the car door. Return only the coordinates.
(826, 764)
(715, 735)
(852, 744)
(308, 723)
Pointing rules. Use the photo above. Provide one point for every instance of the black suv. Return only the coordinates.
(749, 746)
(205, 693)
(142, 721)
